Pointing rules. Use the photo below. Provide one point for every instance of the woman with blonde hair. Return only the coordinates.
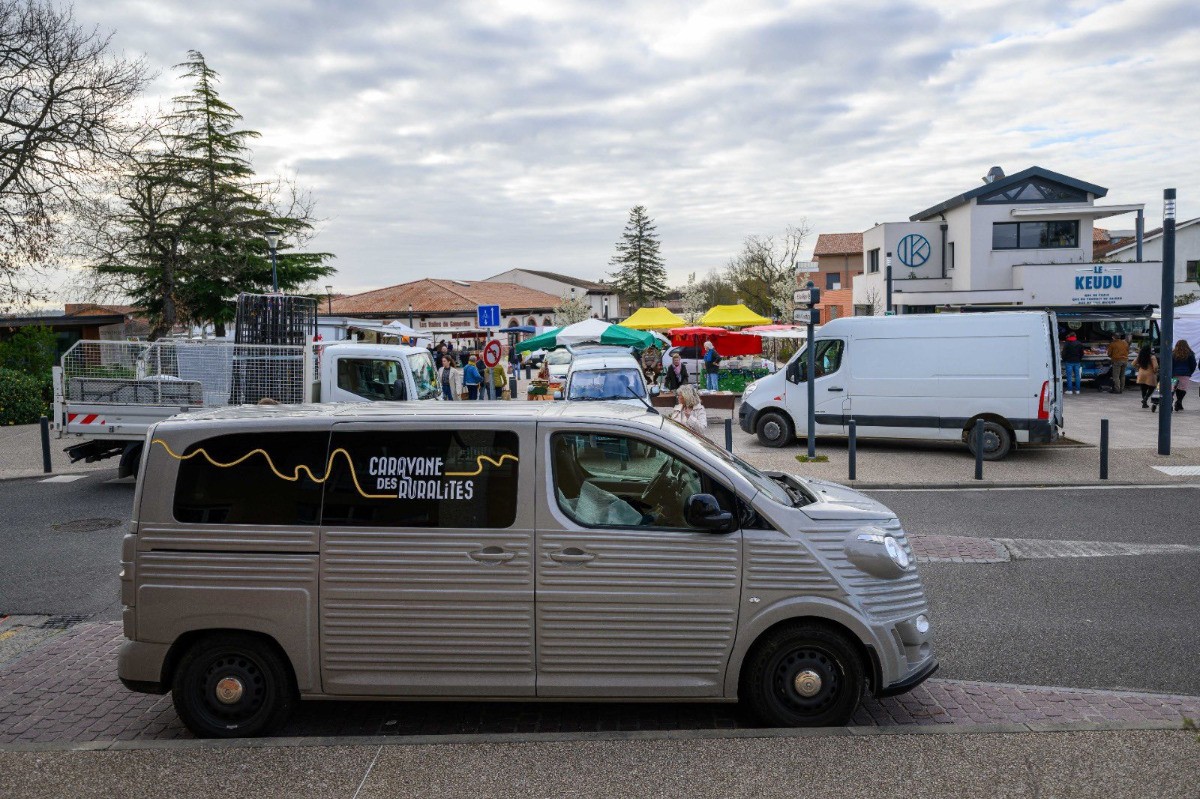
(689, 412)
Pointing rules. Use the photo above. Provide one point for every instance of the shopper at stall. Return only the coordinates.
(472, 378)
(1183, 364)
(1147, 373)
(689, 412)
(676, 374)
(712, 365)
(500, 382)
(1118, 356)
(485, 382)
(1072, 358)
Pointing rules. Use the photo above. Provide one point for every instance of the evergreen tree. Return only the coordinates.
(640, 276)
(191, 226)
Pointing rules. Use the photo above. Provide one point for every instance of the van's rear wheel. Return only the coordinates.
(997, 440)
(774, 429)
(232, 685)
(804, 676)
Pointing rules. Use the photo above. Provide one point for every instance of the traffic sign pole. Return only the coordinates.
(810, 297)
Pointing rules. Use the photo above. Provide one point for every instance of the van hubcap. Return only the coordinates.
(229, 690)
(771, 430)
(807, 683)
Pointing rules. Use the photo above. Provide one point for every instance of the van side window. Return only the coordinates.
(422, 478)
(828, 361)
(251, 478)
(371, 379)
(613, 481)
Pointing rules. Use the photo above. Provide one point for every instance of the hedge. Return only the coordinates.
(21, 400)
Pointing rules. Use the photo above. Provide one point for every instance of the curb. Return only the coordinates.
(585, 737)
(986, 484)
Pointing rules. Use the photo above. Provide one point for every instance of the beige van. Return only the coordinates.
(501, 551)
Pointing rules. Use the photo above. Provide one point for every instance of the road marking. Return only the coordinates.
(63, 478)
(1089, 487)
(1035, 549)
(1179, 471)
(7, 634)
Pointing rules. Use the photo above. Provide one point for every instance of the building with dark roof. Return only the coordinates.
(604, 302)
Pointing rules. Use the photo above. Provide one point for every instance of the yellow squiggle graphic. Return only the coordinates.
(479, 459)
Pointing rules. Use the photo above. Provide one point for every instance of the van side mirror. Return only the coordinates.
(703, 511)
(794, 375)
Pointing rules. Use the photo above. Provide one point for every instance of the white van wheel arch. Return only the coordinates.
(998, 437)
(774, 428)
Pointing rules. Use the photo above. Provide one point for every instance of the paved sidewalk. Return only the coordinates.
(21, 454)
(66, 691)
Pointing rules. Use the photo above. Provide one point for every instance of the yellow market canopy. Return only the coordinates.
(653, 319)
(732, 316)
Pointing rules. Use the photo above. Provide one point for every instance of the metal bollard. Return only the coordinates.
(853, 450)
(978, 433)
(528, 372)
(45, 423)
(729, 435)
(1103, 449)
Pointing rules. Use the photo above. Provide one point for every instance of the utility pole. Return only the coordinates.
(1167, 327)
(888, 279)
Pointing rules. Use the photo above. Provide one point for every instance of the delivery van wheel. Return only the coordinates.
(997, 441)
(774, 429)
(232, 685)
(804, 676)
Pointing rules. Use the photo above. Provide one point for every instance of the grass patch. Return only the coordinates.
(813, 459)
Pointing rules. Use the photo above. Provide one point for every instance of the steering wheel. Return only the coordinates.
(665, 489)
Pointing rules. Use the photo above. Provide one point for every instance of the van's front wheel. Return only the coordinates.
(774, 429)
(231, 686)
(804, 676)
(997, 440)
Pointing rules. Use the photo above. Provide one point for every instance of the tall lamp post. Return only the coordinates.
(272, 237)
(606, 309)
(410, 321)
(1167, 328)
(329, 299)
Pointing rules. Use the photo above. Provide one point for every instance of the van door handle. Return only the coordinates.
(492, 555)
(834, 388)
(572, 555)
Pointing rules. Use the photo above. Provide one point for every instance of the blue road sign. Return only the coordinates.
(488, 315)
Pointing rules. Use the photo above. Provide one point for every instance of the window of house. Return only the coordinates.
(1035, 235)
(873, 260)
(422, 478)
(833, 281)
(833, 312)
(371, 379)
(1034, 190)
(605, 480)
(951, 246)
(1193, 271)
(258, 478)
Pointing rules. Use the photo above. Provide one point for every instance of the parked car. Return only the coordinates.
(606, 375)
(527, 551)
(929, 376)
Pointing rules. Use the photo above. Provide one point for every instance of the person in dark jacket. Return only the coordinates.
(676, 374)
(1072, 358)
(472, 378)
(1183, 364)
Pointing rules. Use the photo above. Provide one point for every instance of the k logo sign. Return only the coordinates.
(913, 250)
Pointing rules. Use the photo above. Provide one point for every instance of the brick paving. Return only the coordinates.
(66, 691)
(957, 549)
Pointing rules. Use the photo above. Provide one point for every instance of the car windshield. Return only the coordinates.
(759, 480)
(424, 375)
(558, 358)
(606, 384)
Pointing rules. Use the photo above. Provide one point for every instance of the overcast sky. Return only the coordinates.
(447, 139)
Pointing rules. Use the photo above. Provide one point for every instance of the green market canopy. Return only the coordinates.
(588, 331)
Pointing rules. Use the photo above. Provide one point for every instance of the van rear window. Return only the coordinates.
(426, 478)
(259, 478)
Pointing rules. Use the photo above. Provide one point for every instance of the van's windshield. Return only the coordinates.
(760, 481)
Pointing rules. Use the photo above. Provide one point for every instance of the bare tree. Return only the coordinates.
(63, 103)
(693, 299)
(874, 301)
(764, 273)
(571, 310)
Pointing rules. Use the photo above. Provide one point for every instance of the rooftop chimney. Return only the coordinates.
(994, 174)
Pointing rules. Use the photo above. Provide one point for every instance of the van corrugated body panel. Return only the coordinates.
(646, 562)
(899, 598)
(784, 563)
(227, 538)
(440, 559)
(234, 570)
(466, 637)
(656, 640)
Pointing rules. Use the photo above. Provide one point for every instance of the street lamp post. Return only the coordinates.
(272, 237)
(606, 309)
(410, 320)
(329, 299)
(888, 279)
(1167, 328)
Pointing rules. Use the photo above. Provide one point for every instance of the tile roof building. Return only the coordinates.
(448, 303)
(604, 302)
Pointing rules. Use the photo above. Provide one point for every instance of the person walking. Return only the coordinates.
(500, 382)
(1147, 372)
(485, 379)
(1072, 358)
(1118, 356)
(689, 412)
(449, 379)
(1183, 364)
(676, 374)
(471, 378)
(712, 365)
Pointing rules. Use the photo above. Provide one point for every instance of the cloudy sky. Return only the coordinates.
(462, 139)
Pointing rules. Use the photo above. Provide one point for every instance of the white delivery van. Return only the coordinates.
(922, 376)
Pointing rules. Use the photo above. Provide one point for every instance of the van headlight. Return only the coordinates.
(877, 553)
(748, 390)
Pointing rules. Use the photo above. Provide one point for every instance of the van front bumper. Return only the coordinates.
(910, 682)
(744, 414)
(140, 666)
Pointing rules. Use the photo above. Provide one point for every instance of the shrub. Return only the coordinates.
(21, 399)
(31, 350)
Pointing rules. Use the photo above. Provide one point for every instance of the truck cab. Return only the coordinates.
(375, 373)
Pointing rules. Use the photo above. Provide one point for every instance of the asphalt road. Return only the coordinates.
(1111, 622)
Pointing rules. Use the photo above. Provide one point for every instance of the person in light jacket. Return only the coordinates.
(449, 379)
(1147, 372)
(689, 412)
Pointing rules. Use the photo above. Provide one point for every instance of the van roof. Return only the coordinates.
(378, 411)
(976, 320)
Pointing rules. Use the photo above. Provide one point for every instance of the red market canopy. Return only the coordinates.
(728, 344)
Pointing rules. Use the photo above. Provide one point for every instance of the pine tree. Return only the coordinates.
(640, 276)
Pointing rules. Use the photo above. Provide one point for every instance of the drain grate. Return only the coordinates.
(62, 622)
(86, 525)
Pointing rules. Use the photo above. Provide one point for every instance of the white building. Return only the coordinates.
(1187, 253)
(1020, 240)
(600, 298)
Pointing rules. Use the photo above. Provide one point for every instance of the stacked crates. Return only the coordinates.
(266, 321)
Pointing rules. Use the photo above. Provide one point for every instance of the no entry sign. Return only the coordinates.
(491, 353)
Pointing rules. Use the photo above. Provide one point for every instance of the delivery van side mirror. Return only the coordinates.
(705, 512)
(794, 375)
